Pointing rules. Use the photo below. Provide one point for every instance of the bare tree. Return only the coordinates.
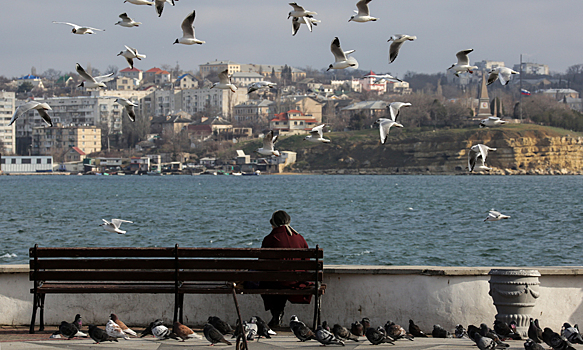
(111, 69)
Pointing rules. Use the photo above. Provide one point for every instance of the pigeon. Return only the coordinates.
(41, 108)
(341, 61)
(495, 216)
(460, 331)
(534, 332)
(308, 21)
(326, 337)
(556, 341)
(188, 37)
(77, 322)
(325, 326)
(114, 330)
(484, 343)
(440, 332)
(365, 324)
(478, 152)
(160, 5)
(122, 325)
(91, 82)
(514, 335)
(224, 82)
(213, 335)
(260, 85)
(69, 330)
(357, 329)
(160, 331)
(114, 225)
(505, 331)
(127, 22)
(471, 331)
(263, 329)
(140, 2)
(492, 121)
(300, 330)
(463, 63)
(363, 13)
(55, 335)
(220, 325)
(415, 330)
(377, 337)
(396, 331)
(184, 332)
(385, 125)
(130, 53)
(148, 330)
(343, 334)
(571, 333)
(80, 29)
(268, 145)
(501, 73)
(250, 330)
(99, 335)
(317, 134)
(487, 332)
(397, 42)
(129, 108)
(395, 107)
(299, 11)
(532, 345)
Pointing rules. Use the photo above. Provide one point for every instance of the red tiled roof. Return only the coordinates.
(130, 70)
(295, 111)
(76, 149)
(153, 70)
(162, 72)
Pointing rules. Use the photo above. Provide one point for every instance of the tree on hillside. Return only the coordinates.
(25, 87)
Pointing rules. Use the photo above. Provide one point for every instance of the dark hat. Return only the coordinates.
(280, 218)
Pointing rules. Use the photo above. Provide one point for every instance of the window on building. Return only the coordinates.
(49, 160)
(2, 161)
(38, 161)
(13, 161)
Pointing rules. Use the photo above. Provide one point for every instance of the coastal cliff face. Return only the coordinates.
(523, 149)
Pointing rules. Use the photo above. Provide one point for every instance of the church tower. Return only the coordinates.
(483, 110)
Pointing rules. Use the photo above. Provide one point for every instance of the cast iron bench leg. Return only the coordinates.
(35, 303)
(241, 328)
(42, 313)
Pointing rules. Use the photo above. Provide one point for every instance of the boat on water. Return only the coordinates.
(255, 173)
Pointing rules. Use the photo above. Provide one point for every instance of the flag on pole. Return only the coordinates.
(525, 92)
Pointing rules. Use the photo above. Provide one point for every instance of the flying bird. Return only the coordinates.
(299, 11)
(224, 82)
(363, 13)
(80, 29)
(478, 152)
(501, 73)
(213, 335)
(493, 215)
(395, 108)
(463, 63)
(160, 5)
(99, 335)
(258, 85)
(184, 332)
(127, 21)
(130, 53)
(382, 78)
(122, 325)
(268, 145)
(114, 225)
(41, 108)
(129, 108)
(340, 59)
(385, 125)
(140, 2)
(308, 21)
(317, 134)
(91, 82)
(492, 121)
(188, 37)
(397, 42)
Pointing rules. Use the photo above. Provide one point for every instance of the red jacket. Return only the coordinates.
(279, 238)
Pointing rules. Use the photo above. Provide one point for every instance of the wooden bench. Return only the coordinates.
(177, 271)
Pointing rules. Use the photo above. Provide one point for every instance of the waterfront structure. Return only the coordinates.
(26, 164)
(75, 154)
(58, 140)
(292, 122)
(7, 133)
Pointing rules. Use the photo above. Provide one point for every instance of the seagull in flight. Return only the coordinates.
(317, 134)
(340, 59)
(395, 107)
(224, 82)
(188, 37)
(91, 82)
(397, 42)
(160, 5)
(130, 53)
(463, 63)
(501, 73)
(140, 2)
(128, 106)
(260, 85)
(127, 22)
(363, 13)
(308, 21)
(268, 145)
(80, 29)
(385, 125)
(496, 216)
(478, 152)
(492, 121)
(382, 78)
(41, 108)
(114, 225)
(299, 11)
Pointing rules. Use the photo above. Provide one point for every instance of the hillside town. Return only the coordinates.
(182, 123)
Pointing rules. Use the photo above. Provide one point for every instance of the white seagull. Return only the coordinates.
(299, 11)
(130, 53)
(317, 134)
(384, 127)
(91, 82)
(188, 37)
(496, 216)
(80, 29)
(260, 85)
(397, 42)
(41, 108)
(477, 153)
(128, 106)
(363, 13)
(140, 2)
(268, 145)
(160, 5)
(114, 225)
(308, 21)
(492, 121)
(382, 78)
(501, 73)
(127, 21)
(224, 82)
(463, 63)
(395, 107)
(340, 59)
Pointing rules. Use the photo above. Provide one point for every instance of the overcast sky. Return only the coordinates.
(257, 31)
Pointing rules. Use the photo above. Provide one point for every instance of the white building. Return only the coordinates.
(532, 68)
(7, 133)
(26, 164)
(197, 100)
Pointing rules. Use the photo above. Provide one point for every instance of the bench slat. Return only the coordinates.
(102, 252)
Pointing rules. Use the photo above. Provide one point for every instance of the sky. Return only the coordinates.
(257, 31)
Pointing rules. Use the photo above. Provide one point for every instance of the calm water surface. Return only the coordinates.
(379, 220)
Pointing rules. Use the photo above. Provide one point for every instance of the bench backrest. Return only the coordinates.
(175, 264)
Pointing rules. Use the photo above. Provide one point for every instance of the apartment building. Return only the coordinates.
(59, 140)
(7, 133)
